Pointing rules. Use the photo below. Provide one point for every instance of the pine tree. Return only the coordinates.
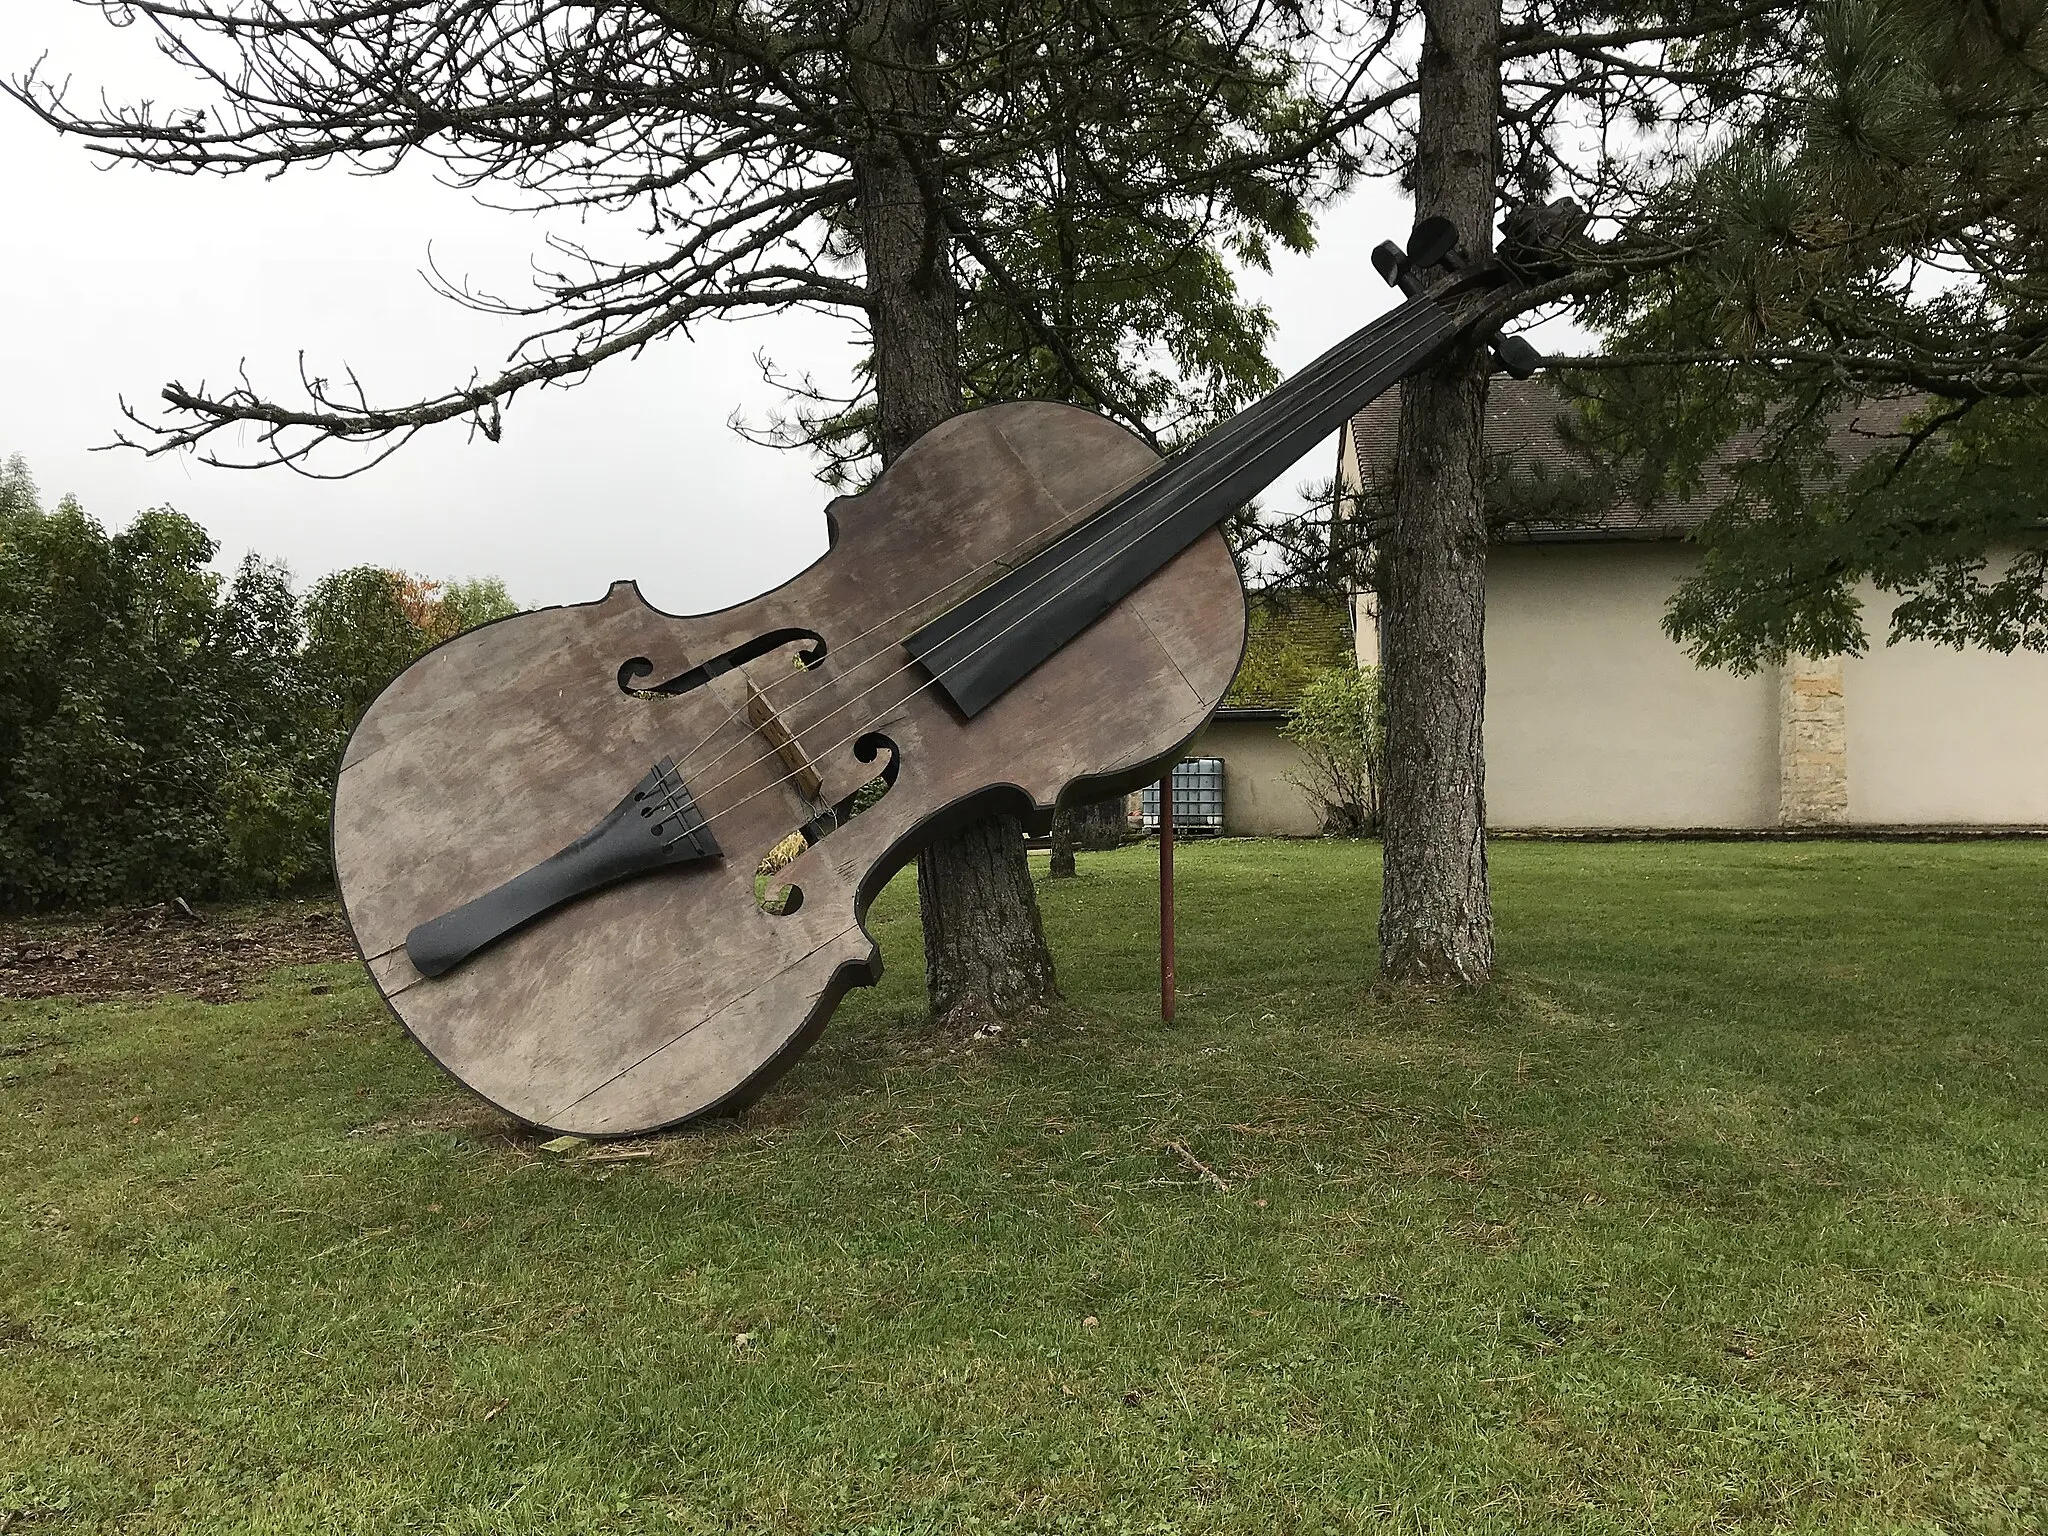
(1787, 204)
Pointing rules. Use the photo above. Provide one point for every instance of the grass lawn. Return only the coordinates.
(1722, 1211)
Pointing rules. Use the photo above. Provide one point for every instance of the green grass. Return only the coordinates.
(1723, 1211)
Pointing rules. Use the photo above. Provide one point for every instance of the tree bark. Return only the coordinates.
(1436, 912)
(986, 959)
(1085, 828)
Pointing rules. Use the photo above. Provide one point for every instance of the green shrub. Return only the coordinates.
(274, 817)
(165, 731)
(1339, 723)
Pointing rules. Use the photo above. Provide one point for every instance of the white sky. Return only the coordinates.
(113, 282)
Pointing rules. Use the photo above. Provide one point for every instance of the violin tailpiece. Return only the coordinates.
(655, 826)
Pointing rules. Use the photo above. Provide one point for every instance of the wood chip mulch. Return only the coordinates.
(215, 955)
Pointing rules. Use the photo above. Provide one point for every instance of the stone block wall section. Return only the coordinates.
(1813, 744)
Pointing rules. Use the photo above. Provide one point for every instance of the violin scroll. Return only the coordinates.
(1533, 243)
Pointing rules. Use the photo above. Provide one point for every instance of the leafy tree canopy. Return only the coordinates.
(165, 731)
(1789, 206)
(1875, 221)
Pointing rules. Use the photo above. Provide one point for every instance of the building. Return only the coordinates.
(1597, 721)
(1289, 641)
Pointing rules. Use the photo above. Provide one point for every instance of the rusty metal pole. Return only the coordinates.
(1166, 897)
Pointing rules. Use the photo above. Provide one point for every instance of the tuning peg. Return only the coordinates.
(1388, 260)
(1515, 357)
(1432, 243)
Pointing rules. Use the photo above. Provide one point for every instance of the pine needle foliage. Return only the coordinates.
(1875, 223)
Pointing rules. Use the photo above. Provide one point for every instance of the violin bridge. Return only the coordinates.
(796, 765)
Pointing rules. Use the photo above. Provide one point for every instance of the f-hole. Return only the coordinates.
(778, 898)
(636, 667)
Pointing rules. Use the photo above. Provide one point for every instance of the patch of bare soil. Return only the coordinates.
(215, 955)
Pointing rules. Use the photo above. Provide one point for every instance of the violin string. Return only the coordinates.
(765, 789)
(1096, 504)
(1049, 535)
(1404, 332)
(1336, 384)
(1046, 538)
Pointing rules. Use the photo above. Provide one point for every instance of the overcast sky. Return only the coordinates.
(113, 282)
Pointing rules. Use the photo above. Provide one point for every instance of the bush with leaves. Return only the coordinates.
(116, 694)
(359, 629)
(278, 748)
(167, 732)
(1339, 723)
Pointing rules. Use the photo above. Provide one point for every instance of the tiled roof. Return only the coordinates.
(1534, 430)
(1293, 636)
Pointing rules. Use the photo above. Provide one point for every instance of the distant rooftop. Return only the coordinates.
(1535, 429)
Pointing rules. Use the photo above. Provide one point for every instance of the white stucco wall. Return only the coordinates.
(1258, 800)
(1942, 737)
(1594, 718)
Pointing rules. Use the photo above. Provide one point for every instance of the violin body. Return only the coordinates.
(680, 991)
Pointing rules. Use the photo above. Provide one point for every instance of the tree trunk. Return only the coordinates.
(986, 960)
(1436, 914)
(1085, 828)
(985, 954)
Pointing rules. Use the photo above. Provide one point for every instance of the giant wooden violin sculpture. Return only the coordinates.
(547, 830)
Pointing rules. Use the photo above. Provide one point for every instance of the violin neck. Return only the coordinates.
(978, 649)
